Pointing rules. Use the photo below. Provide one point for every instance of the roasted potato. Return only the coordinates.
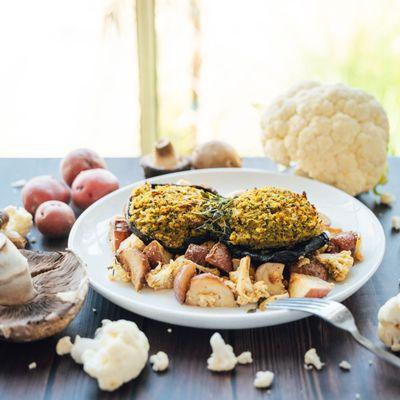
(272, 275)
(182, 281)
(119, 231)
(156, 254)
(208, 290)
(220, 257)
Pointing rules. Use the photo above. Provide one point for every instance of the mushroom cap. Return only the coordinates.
(61, 283)
(216, 154)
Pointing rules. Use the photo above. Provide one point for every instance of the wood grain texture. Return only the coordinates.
(279, 349)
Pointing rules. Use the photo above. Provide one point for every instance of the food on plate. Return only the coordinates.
(215, 154)
(222, 357)
(265, 218)
(156, 254)
(54, 219)
(308, 286)
(91, 185)
(311, 359)
(160, 361)
(43, 188)
(163, 160)
(45, 292)
(208, 290)
(117, 354)
(15, 223)
(337, 264)
(333, 133)
(251, 249)
(136, 265)
(182, 281)
(263, 379)
(389, 323)
(119, 231)
(77, 161)
(311, 267)
(272, 275)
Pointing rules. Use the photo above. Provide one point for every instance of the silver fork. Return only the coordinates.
(338, 315)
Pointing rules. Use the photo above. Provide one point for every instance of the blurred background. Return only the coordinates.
(71, 71)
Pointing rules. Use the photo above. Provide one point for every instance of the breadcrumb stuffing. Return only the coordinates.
(311, 358)
(345, 365)
(160, 361)
(263, 379)
(32, 365)
(245, 358)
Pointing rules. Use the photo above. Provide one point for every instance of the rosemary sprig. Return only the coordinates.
(216, 216)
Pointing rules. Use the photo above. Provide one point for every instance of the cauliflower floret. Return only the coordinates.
(117, 272)
(247, 291)
(117, 354)
(19, 221)
(312, 358)
(162, 277)
(245, 358)
(160, 361)
(338, 264)
(222, 358)
(389, 323)
(263, 379)
(334, 133)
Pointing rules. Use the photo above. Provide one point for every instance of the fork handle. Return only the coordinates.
(392, 359)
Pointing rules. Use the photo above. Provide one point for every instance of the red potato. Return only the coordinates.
(91, 185)
(308, 286)
(54, 219)
(43, 188)
(77, 161)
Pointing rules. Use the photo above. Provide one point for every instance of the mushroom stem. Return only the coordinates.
(16, 285)
(164, 154)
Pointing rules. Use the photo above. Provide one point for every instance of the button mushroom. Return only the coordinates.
(272, 275)
(215, 154)
(163, 160)
(40, 293)
(182, 281)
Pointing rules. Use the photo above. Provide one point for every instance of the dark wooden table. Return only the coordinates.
(279, 349)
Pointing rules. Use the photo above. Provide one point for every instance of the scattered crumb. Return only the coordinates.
(396, 223)
(19, 183)
(308, 367)
(358, 396)
(345, 365)
(311, 358)
(263, 379)
(387, 199)
(169, 330)
(268, 392)
(245, 358)
(94, 310)
(160, 361)
(370, 362)
(64, 346)
(32, 365)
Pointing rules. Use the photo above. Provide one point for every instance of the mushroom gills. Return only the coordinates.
(61, 285)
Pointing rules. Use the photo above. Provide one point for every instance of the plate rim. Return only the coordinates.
(219, 320)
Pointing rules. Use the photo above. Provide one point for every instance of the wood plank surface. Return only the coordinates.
(279, 349)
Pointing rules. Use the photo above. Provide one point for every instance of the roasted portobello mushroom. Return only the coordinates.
(270, 224)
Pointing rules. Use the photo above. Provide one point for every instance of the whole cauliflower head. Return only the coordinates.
(389, 323)
(333, 133)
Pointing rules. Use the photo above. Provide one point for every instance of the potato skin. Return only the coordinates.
(91, 185)
(77, 161)
(54, 219)
(43, 188)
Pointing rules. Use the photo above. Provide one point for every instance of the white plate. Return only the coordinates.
(88, 239)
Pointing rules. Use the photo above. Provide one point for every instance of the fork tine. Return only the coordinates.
(294, 307)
